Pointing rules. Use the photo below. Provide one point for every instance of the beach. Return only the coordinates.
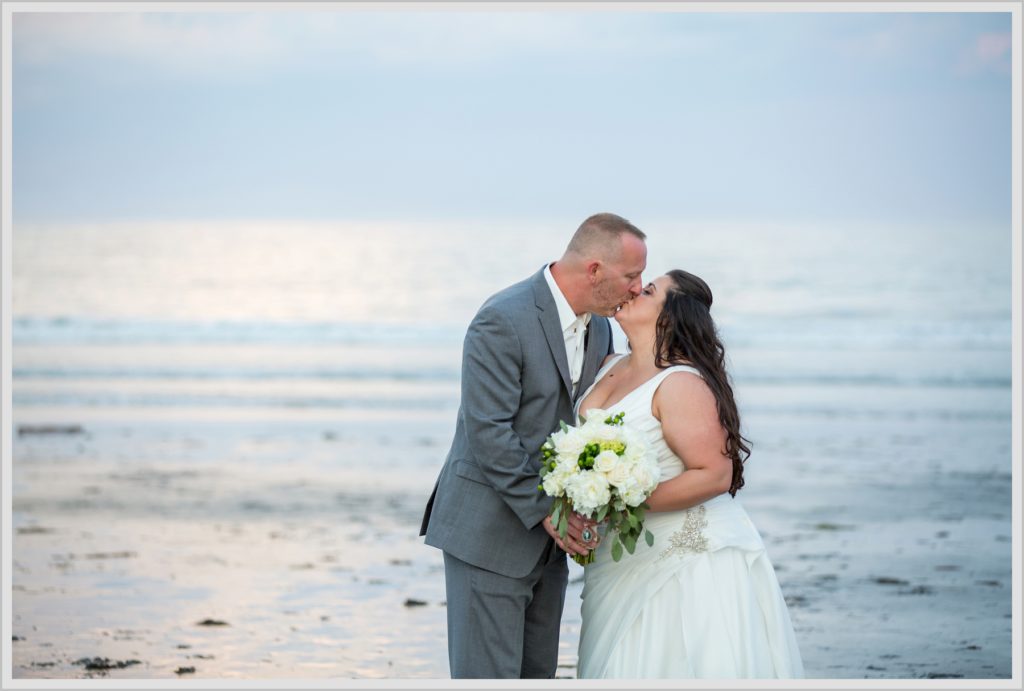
(206, 487)
(317, 573)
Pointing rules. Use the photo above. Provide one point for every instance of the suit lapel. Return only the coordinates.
(597, 348)
(547, 312)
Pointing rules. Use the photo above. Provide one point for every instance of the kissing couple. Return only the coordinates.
(703, 600)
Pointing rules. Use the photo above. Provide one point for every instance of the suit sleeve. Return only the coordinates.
(492, 363)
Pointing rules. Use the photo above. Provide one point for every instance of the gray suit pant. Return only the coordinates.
(501, 627)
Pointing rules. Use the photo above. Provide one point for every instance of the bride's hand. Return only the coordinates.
(583, 530)
(571, 544)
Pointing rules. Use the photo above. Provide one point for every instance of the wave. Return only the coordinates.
(410, 373)
(850, 410)
(892, 414)
(845, 333)
(875, 380)
(75, 330)
(413, 373)
(832, 331)
(169, 400)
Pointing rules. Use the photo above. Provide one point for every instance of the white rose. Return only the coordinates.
(588, 491)
(570, 445)
(606, 461)
(636, 447)
(632, 493)
(555, 479)
(636, 451)
(566, 468)
(552, 484)
(593, 428)
(607, 433)
(621, 473)
(646, 476)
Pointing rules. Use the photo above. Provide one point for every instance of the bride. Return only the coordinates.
(703, 601)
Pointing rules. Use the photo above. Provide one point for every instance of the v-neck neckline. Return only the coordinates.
(606, 406)
(579, 406)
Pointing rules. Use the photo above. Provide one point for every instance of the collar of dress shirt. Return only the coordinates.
(566, 316)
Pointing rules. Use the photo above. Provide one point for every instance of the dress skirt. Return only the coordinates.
(702, 602)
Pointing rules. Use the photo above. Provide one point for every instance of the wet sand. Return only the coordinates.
(237, 551)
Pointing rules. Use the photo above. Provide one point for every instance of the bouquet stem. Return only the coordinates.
(584, 559)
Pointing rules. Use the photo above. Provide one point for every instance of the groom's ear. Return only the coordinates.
(593, 266)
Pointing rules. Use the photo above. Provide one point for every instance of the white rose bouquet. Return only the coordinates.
(601, 469)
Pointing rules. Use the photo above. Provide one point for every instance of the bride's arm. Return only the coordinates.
(689, 421)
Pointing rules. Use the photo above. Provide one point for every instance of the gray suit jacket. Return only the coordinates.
(486, 508)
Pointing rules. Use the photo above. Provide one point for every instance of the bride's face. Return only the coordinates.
(645, 307)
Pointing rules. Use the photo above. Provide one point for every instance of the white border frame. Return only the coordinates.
(6, 431)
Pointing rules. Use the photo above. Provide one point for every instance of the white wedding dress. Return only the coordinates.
(702, 602)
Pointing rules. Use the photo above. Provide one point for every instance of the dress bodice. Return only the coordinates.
(637, 408)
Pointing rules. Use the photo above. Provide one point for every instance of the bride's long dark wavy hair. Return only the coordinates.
(686, 334)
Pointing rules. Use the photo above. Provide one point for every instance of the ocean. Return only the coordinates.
(298, 374)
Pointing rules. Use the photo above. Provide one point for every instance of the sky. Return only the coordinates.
(335, 113)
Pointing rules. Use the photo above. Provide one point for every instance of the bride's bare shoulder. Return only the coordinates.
(684, 393)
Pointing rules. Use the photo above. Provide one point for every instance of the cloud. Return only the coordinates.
(966, 43)
(176, 42)
(990, 52)
(223, 43)
(216, 42)
(880, 44)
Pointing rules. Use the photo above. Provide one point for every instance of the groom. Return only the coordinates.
(530, 351)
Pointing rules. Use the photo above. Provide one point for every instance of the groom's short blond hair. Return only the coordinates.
(600, 234)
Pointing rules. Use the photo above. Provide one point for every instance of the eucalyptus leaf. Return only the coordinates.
(556, 512)
(563, 526)
(630, 543)
(616, 550)
(649, 536)
(602, 513)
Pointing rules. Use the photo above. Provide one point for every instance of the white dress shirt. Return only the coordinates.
(574, 329)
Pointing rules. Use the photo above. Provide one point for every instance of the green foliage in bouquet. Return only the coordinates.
(625, 524)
